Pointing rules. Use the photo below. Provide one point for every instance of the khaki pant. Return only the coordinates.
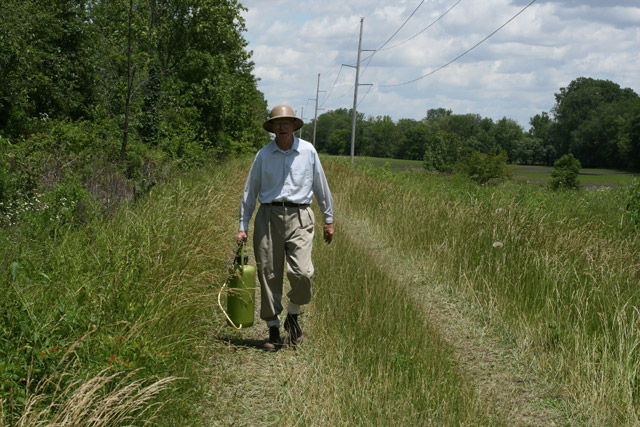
(283, 233)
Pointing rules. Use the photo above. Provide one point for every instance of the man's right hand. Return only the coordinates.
(241, 237)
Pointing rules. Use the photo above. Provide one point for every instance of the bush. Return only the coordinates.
(486, 168)
(633, 205)
(443, 150)
(565, 173)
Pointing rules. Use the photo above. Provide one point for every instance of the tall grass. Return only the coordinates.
(113, 317)
(559, 271)
(372, 359)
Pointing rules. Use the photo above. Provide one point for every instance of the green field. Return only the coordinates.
(440, 302)
(526, 174)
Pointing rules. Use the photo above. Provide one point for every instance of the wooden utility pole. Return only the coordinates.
(355, 95)
(315, 120)
(301, 118)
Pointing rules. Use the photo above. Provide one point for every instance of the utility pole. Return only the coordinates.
(315, 120)
(355, 94)
(301, 118)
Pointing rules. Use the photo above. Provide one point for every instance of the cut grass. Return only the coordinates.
(552, 268)
(374, 358)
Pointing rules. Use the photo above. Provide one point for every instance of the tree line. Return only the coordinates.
(595, 120)
(100, 98)
(97, 96)
(173, 74)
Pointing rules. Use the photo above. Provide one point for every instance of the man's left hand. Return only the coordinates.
(328, 233)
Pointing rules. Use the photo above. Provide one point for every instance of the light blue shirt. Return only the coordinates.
(295, 175)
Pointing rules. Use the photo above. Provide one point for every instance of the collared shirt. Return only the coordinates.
(293, 176)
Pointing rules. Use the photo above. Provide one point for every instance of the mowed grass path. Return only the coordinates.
(388, 341)
(551, 276)
(370, 357)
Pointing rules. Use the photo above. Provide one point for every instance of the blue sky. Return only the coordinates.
(515, 73)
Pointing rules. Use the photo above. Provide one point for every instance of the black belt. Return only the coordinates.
(286, 204)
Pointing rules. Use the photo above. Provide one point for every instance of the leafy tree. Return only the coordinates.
(464, 125)
(379, 137)
(583, 117)
(528, 151)
(628, 138)
(413, 141)
(541, 127)
(436, 114)
(184, 57)
(327, 124)
(339, 142)
(486, 168)
(46, 58)
(507, 134)
(539, 144)
(442, 150)
(565, 173)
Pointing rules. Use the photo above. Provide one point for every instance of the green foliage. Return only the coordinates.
(442, 152)
(554, 269)
(414, 140)
(46, 52)
(486, 168)
(633, 204)
(68, 203)
(102, 293)
(565, 173)
(379, 137)
(591, 119)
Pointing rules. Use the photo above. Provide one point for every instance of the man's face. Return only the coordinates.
(283, 128)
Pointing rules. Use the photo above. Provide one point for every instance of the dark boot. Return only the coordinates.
(292, 326)
(273, 343)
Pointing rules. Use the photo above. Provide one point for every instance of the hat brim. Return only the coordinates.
(268, 125)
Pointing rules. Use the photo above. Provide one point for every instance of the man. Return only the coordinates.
(285, 174)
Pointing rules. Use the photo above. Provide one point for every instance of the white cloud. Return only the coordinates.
(515, 73)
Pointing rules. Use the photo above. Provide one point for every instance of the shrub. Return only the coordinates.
(486, 168)
(442, 152)
(565, 173)
(633, 205)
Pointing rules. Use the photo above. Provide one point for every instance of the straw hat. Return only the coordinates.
(281, 112)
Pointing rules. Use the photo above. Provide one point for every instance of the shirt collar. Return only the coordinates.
(294, 146)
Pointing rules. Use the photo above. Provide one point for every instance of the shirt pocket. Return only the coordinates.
(300, 178)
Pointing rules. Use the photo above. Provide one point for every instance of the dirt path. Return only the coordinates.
(502, 380)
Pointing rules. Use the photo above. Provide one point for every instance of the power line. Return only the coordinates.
(332, 87)
(365, 95)
(392, 36)
(380, 48)
(464, 53)
(399, 28)
(424, 29)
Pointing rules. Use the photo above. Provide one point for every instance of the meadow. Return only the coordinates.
(440, 302)
(555, 274)
(523, 173)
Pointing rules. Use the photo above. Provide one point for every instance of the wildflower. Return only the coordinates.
(498, 245)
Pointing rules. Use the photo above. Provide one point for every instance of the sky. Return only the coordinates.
(514, 73)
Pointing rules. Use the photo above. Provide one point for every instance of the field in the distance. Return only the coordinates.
(525, 173)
